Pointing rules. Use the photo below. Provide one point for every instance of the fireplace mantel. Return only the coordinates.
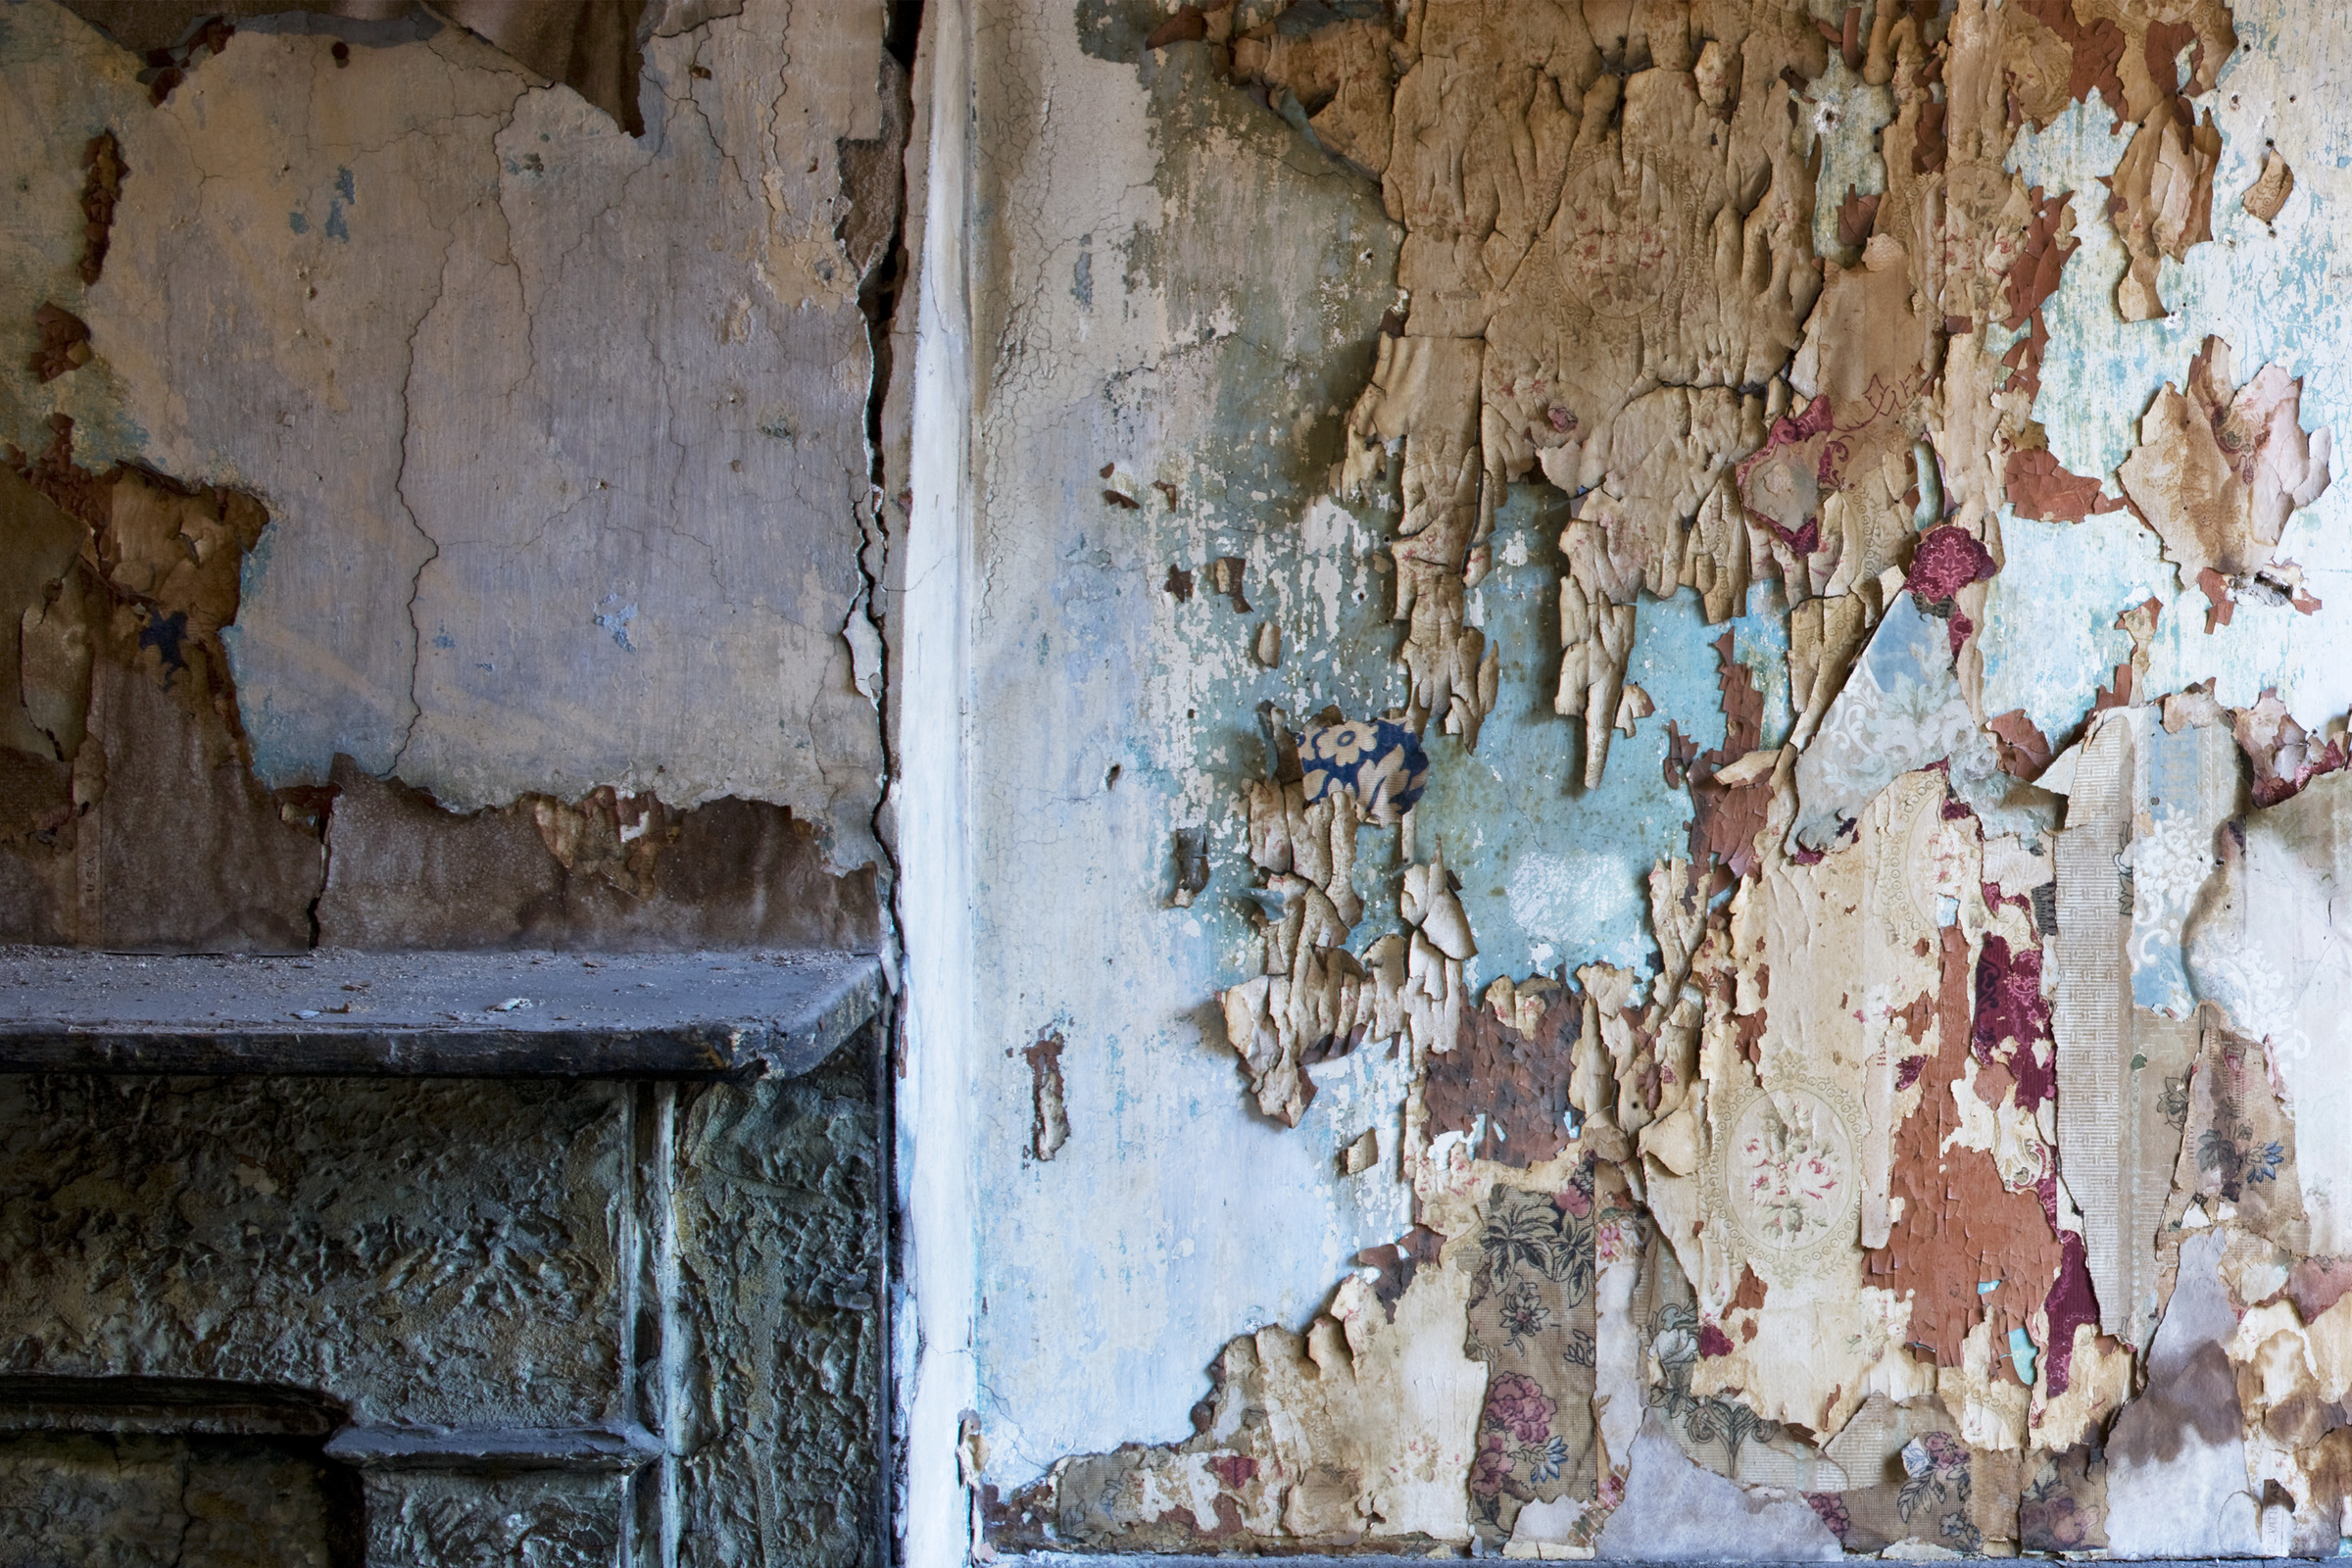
(547, 1257)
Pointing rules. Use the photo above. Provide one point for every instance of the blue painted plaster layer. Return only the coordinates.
(1175, 1216)
(2274, 292)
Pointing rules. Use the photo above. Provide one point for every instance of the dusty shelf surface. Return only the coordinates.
(492, 1014)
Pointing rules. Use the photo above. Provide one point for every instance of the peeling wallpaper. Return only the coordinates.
(1672, 667)
(1619, 723)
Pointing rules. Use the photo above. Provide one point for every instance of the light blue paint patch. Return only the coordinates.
(1988, 1287)
(443, 640)
(2022, 1355)
(2264, 645)
(615, 617)
(2073, 150)
(2049, 638)
(1554, 875)
(336, 229)
(2271, 292)
(1674, 659)
(2090, 401)
(1760, 641)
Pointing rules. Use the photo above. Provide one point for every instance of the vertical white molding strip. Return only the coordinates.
(935, 1118)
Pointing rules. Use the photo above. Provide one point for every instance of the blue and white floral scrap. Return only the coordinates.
(1379, 761)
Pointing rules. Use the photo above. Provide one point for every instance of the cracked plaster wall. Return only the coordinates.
(559, 440)
(1572, 605)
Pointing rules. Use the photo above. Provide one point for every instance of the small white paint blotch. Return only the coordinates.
(1574, 900)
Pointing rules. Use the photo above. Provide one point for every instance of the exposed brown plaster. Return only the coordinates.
(1395, 1261)
(1514, 1082)
(1727, 813)
(1049, 1110)
(1187, 25)
(2119, 49)
(101, 189)
(2025, 750)
(1188, 851)
(1225, 576)
(2038, 487)
(1960, 1227)
(403, 872)
(1857, 214)
(64, 342)
(2047, 244)
(123, 583)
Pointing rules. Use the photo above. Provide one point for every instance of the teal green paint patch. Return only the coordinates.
(298, 222)
(2022, 1355)
(1554, 875)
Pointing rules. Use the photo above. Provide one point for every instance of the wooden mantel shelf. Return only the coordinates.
(700, 1016)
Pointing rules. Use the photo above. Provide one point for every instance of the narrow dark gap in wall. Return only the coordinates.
(868, 171)
(902, 25)
(885, 285)
(878, 295)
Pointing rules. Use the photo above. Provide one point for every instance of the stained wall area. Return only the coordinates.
(419, 466)
(1655, 705)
